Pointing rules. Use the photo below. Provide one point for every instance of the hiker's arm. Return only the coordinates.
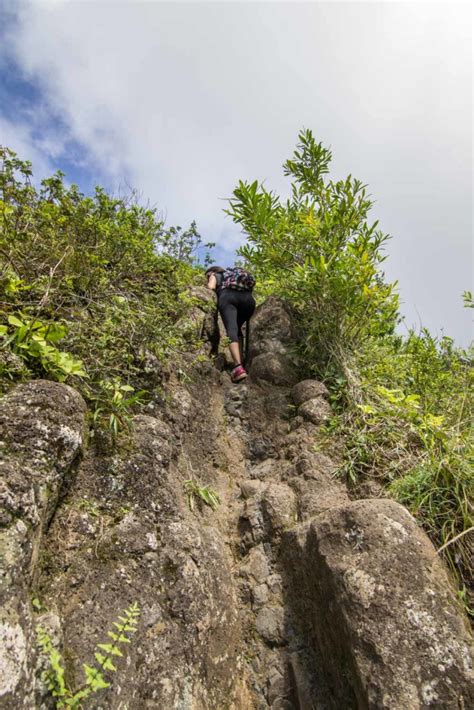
(212, 282)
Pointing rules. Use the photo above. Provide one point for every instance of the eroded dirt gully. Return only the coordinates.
(290, 596)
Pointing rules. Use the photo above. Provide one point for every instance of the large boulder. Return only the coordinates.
(316, 410)
(273, 368)
(308, 389)
(271, 345)
(271, 328)
(377, 602)
(42, 429)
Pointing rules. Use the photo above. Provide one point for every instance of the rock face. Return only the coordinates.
(42, 427)
(127, 534)
(289, 596)
(271, 345)
(379, 604)
(271, 329)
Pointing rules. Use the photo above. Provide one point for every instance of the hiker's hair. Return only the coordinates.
(214, 270)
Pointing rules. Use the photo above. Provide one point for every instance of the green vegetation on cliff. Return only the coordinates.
(93, 290)
(403, 406)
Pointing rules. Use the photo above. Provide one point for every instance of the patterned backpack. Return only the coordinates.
(237, 279)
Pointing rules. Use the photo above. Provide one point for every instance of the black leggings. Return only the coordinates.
(235, 307)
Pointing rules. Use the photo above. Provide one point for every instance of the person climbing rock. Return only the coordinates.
(236, 305)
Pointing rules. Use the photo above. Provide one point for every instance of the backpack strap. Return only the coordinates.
(219, 279)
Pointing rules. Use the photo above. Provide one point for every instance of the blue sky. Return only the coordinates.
(181, 100)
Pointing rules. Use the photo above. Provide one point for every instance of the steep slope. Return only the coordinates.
(290, 595)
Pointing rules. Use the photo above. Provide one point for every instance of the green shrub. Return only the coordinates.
(91, 286)
(319, 252)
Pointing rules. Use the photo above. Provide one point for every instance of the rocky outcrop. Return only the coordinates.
(341, 627)
(376, 600)
(289, 596)
(42, 427)
(271, 329)
(271, 350)
(275, 368)
(125, 534)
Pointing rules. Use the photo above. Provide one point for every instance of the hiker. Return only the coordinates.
(236, 305)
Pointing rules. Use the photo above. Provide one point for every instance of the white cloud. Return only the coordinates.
(181, 100)
(18, 137)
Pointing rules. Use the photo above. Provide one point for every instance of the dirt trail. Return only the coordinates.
(282, 669)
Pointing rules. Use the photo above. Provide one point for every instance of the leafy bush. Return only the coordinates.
(91, 287)
(319, 252)
(403, 406)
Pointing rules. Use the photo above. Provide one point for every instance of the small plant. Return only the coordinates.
(95, 680)
(205, 493)
(88, 506)
(113, 404)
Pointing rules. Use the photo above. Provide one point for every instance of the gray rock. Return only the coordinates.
(276, 685)
(263, 469)
(251, 487)
(318, 494)
(181, 405)
(279, 507)
(42, 429)
(274, 583)
(234, 409)
(315, 465)
(273, 368)
(259, 595)
(205, 297)
(272, 321)
(308, 389)
(381, 607)
(252, 527)
(315, 410)
(256, 565)
(270, 625)
(267, 345)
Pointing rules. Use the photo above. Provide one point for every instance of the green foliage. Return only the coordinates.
(205, 493)
(114, 403)
(94, 678)
(412, 427)
(184, 245)
(402, 406)
(319, 251)
(35, 342)
(468, 300)
(91, 287)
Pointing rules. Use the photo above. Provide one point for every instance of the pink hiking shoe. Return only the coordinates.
(238, 373)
